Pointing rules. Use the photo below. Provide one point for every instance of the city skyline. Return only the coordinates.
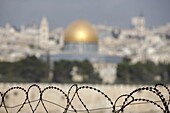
(116, 13)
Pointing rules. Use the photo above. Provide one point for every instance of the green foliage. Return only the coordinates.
(143, 73)
(62, 71)
(30, 69)
(63, 68)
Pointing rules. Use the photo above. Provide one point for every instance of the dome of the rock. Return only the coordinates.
(80, 31)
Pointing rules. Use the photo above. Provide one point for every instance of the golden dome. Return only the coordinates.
(80, 31)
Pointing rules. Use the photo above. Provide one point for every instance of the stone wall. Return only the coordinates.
(91, 98)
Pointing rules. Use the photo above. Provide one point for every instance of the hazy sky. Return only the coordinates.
(62, 12)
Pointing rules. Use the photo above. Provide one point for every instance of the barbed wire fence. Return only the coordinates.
(129, 99)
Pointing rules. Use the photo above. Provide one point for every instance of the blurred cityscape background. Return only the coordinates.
(84, 45)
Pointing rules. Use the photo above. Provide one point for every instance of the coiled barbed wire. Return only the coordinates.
(129, 99)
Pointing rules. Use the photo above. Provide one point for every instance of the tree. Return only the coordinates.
(31, 69)
(63, 68)
(62, 71)
(143, 73)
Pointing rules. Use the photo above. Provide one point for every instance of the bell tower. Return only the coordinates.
(44, 34)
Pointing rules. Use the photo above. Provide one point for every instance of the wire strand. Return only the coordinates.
(80, 110)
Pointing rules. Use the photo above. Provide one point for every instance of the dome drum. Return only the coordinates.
(81, 47)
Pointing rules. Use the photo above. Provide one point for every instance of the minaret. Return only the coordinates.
(44, 34)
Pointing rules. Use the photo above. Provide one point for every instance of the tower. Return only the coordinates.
(44, 34)
(138, 23)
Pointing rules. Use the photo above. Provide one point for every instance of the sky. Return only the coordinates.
(60, 13)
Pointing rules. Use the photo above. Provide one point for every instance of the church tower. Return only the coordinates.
(44, 34)
(139, 24)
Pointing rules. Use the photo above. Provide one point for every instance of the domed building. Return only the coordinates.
(81, 37)
(81, 43)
